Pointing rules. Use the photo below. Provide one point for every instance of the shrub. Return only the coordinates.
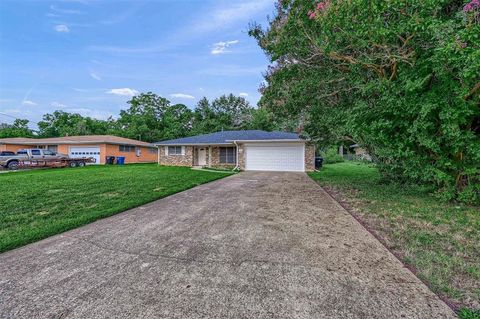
(331, 156)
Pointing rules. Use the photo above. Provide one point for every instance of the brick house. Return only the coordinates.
(245, 150)
(96, 146)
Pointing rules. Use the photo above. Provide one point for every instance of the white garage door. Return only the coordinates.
(275, 157)
(85, 152)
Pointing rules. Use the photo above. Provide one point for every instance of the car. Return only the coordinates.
(41, 158)
(7, 153)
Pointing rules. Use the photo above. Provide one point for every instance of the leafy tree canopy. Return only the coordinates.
(61, 123)
(19, 128)
(400, 78)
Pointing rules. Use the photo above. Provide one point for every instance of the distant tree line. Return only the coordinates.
(151, 118)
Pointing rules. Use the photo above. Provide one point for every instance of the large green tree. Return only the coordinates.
(401, 78)
(152, 118)
(204, 118)
(232, 112)
(61, 123)
(177, 121)
(19, 128)
(227, 112)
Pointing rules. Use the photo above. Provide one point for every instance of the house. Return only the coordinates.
(96, 146)
(245, 150)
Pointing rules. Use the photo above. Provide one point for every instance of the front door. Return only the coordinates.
(202, 156)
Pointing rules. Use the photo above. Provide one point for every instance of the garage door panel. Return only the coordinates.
(275, 157)
(85, 152)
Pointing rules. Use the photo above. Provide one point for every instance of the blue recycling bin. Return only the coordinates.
(120, 160)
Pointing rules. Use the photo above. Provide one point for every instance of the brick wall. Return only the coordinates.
(130, 157)
(309, 157)
(12, 147)
(241, 156)
(176, 160)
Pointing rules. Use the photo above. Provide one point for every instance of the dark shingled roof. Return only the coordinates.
(227, 137)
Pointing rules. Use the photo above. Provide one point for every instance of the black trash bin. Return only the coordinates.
(318, 162)
(110, 160)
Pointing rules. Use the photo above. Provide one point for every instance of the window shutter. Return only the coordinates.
(183, 150)
(166, 150)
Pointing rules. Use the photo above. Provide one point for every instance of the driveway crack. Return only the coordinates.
(232, 262)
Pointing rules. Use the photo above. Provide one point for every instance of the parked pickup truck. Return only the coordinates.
(41, 158)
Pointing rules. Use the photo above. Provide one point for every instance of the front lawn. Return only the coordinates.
(441, 241)
(40, 203)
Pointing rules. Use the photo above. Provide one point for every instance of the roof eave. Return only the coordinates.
(75, 143)
(189, 144)
(230, 142)
(272, 140)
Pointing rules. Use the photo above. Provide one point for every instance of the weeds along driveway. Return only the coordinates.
(252, 245)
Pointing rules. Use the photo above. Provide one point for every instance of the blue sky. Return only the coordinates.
(90, 56)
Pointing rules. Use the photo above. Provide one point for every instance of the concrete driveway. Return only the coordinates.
(253, 245)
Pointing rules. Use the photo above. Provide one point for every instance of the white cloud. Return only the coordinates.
(58, 105)
(182, 96)
(95, 76)
(221, 47)
(243, 94)
(29, 103)
(61, 28)
(123, 92)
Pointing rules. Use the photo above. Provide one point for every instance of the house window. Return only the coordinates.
(228, 155)
(174, 150)
(126, 148)
(152, 150)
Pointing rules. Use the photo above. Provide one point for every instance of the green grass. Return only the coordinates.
(440, 240)
(469, 314)
(39, 203)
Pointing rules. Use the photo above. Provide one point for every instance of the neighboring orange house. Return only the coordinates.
(96, 146)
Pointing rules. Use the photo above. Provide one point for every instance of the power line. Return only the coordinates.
(17, 118)
(9, 115)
